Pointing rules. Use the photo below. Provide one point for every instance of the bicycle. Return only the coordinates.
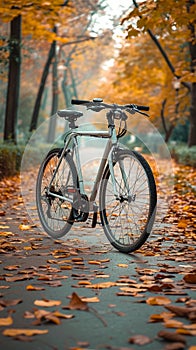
(125, 182)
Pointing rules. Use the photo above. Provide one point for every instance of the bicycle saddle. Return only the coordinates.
(69, 114)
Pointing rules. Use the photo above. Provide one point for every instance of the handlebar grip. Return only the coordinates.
(79, 102)
(142, 108)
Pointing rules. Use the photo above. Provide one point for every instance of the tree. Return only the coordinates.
(172, 20)
(13, 81)
(34, 22)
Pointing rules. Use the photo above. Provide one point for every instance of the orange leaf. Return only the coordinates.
(170, 336)
(164, 316)
(91, 300)
(159, 300)
(7, 321)
(94, 262)
(30, 287)
(173, 324)
(13, 332)
(140, 339)
(102, 285)
(47, 303)
(186, 331)
(76, 303)
(122, 265)
(24, 227)
(61, 315)
(190, 278)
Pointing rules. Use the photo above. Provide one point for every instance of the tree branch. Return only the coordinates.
(163, 53)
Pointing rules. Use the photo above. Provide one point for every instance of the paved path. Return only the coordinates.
(117, 285)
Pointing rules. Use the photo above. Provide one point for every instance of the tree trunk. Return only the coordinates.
(192, 49)
(35, 114)
(13, 81)
(192, 118)
(52, 125)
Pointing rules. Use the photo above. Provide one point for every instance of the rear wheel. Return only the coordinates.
(55, 213)
(128, 216)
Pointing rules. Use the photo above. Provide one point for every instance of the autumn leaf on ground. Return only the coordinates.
(11, 267)
(101, 285)
(76, 303)
(140, 339)
(186, 331)
(181, 311)
(61, 315)
(159, 300)
(164, 316)
(7, 321)
(42, 315)
(94, 262)
(18, 278)
(12, 302)
(190, 278)
(90, 299)
(13, 332)
(24, 227)
(123, 265)
(171, 336)
(47, 303)
(173, 324)
(30, 287)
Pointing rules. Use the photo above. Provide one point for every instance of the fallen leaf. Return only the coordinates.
(30, 287)
(180, 310)
(18, 278)
(173, 337)
(122, 265)
(11, 267)
(159, 300)
(13, 332)
(173, 324)
(190, 278)
(76, 303)
(7, 321)
(102, 285)
(61, 315)
(47, 303)
(90, 299)
(66, 267)
(12, 302)
(164, 316)
(24, 227)
(84, 283)
(94, 262)
(140, 339)
(186, 331)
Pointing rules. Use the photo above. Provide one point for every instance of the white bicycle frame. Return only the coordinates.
(107, 156)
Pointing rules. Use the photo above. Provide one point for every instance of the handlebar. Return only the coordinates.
(98, 102)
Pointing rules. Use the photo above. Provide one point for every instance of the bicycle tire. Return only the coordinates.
(128, 220)
(55, 214)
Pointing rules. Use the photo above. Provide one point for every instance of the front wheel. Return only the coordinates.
(128, 215)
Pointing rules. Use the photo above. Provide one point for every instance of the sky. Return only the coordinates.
(115, 8)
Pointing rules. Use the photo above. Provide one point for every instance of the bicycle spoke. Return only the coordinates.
(126, 216)
(55, 212)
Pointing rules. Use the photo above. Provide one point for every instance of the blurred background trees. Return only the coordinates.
(75, 49)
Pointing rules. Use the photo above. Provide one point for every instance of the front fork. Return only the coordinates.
(112, 159)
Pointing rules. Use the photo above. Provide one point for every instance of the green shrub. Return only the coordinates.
(12, 156)
(184, 155)
(10, 159)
